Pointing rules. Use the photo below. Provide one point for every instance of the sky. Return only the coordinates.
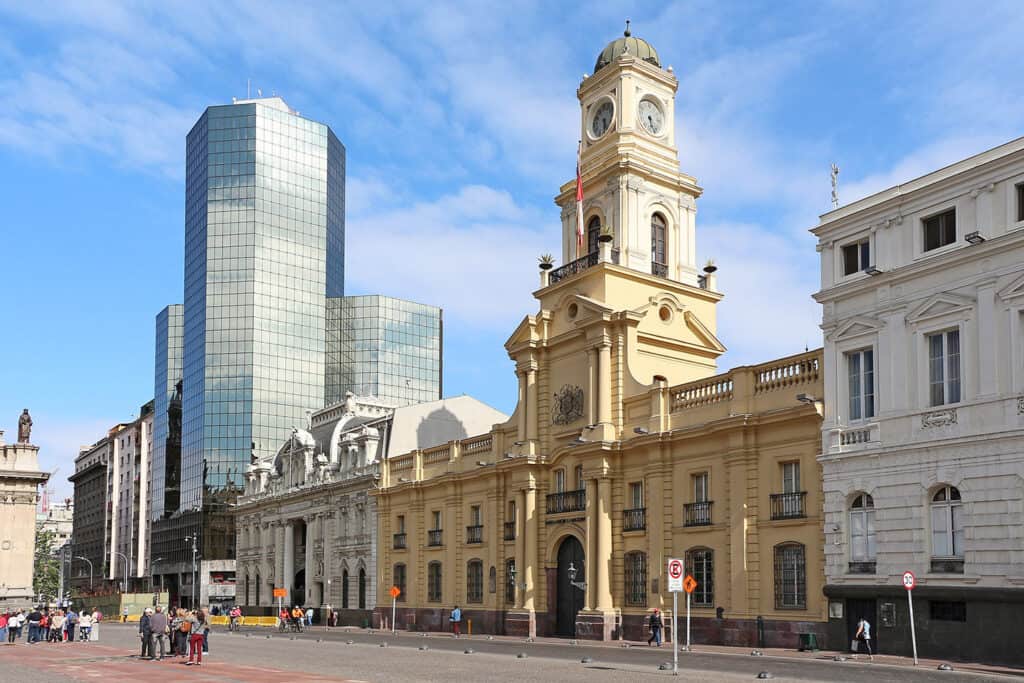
(460, 122)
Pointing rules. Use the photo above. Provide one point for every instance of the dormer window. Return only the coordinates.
(856, 257)
(940, 230)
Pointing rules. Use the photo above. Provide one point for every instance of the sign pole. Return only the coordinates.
(913, 634)
(394, 604)
(675, 637)
(687, 621)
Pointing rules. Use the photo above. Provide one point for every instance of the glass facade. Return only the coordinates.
(384, 347)
(166, 430)
(264, 246)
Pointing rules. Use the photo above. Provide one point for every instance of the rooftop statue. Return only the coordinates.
(24, 426)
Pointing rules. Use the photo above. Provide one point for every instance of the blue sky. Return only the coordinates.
(460, 122)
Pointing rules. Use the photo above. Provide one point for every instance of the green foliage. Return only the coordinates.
(46, 575)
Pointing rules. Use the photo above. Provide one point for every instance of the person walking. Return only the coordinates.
(124, 617)
(57, 627)
(84, 626)
(34, 618)
(182, 633)
(309, 616)
(94, 633)
(456, 620)
(71, 624)
(195, 639)
(864, 635)
(3, 627)
(146, 634)
(204, 620)
(655, 624)
(158, 624)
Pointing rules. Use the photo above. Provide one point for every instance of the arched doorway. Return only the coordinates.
(570, 598)
(299, 592)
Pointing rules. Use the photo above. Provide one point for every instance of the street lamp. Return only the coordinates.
(193, 538)
(125, 583)
(85, 559)
(582, 585)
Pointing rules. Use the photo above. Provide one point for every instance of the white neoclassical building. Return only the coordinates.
(923, 436)
(306, 522)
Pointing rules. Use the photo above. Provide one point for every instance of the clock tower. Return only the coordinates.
(632, 185)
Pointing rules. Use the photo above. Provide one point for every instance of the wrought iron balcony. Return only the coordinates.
(400, 541)
(510, 531)
(697, 514)
(475, 533)
(434, 537)
(567, 501)
(573, 267)
(634, 520)
(788, 505)
(659, 269)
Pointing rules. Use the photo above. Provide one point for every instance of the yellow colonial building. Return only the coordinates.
(625, 448)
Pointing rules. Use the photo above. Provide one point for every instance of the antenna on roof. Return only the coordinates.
(835, 186)
(626, 33)
(259, 92)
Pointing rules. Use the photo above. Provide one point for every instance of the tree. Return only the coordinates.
(46, 575)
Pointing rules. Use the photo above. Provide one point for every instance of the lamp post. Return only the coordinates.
(86, 559)
(125, 582)
(582, 585)
(193, 539)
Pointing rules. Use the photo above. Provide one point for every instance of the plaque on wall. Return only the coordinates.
(567, 405)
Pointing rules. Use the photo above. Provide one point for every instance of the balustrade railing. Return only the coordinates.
(567, 501)
(573, 267)
(475, 533)
(788, 505)
(697, 514)
(659, 269)
(788, 373)
(510, 531)
(634, 520)
(434, 537)
(400, 541)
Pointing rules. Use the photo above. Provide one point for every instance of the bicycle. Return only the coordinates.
(235, 624)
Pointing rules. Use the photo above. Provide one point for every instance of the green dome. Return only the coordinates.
(638, 47)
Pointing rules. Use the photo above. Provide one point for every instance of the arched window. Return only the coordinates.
(593, 232)
(790, 576)
(362, 588)
(947, 523)
(398, 580)
(658, 230)
(700, 564)
(475, 581)
(434, 582)
(636, 579)
(344, 589)
(862, 529)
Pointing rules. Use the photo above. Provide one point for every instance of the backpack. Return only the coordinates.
(186, 626)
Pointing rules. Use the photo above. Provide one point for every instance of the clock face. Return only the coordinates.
(602, 120)
(651, 117)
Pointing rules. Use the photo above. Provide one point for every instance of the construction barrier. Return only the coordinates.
(220, 621)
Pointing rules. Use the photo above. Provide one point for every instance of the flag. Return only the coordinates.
(579, 201)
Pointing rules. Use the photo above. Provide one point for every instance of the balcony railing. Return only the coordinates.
(659, 269)
(573, 267)
(434, 537)
(510, 531)
(788, 505)
(400, 541)
(634, 520)
(567, 501)
(697, 514)
(475, 533)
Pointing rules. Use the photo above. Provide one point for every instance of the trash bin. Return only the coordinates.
(808, 642)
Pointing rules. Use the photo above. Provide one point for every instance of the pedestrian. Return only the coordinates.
(181, 633)
(57, 627)
(146, 634)
(34, 618)
(195, 639)
(655, 625)
(124, 617)
(864, 635)
(204, 620)
(97, 616)
(158, 624)
(3, 627)
(309, 616)
(15, 624)
(456, 619)
(84, 626)
(70, 624)
(44, 626)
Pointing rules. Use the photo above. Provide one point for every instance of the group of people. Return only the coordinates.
(296, 618)
(175, 633)
(43, 625)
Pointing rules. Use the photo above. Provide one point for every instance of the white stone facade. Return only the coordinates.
(928, 279)
(128, 490)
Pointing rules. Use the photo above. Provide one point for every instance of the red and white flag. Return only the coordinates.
(579, 201)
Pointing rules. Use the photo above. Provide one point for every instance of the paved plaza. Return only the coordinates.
(342, 655)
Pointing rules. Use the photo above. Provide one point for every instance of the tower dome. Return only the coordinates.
(638, 47)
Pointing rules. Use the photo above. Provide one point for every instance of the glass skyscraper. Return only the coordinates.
(384, 347)
(165, 483)
(264, 247)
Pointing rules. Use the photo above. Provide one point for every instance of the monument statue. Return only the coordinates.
(24, 426)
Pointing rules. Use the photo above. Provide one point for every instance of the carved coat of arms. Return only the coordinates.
(567, 406)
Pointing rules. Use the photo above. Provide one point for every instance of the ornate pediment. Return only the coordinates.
(1012, 291)
(939, 305)
(702, 332)
(856, 326)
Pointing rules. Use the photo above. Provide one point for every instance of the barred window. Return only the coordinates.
(398, 579)
(510, 581)
(475, 581)
(636, 579)
(434, 582)
(700, 564)
(790, 576)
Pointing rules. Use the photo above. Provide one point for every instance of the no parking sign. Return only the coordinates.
(675, 575)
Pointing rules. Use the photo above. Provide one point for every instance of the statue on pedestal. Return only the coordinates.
(24, 426)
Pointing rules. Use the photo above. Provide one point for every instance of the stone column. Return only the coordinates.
(604, 385)
(603, 591)
(266, 570)
(531, 402)
(592, 385)
(520, 546)
(289, 561)
(310, 560)
(328, 531)
(278, 555)
(522, 421)
(590, 561)
(530, 571)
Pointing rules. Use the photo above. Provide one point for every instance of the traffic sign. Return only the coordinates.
(280, 592)
(395, 591)
(909, 581)
(689, 583)
(675, 575)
